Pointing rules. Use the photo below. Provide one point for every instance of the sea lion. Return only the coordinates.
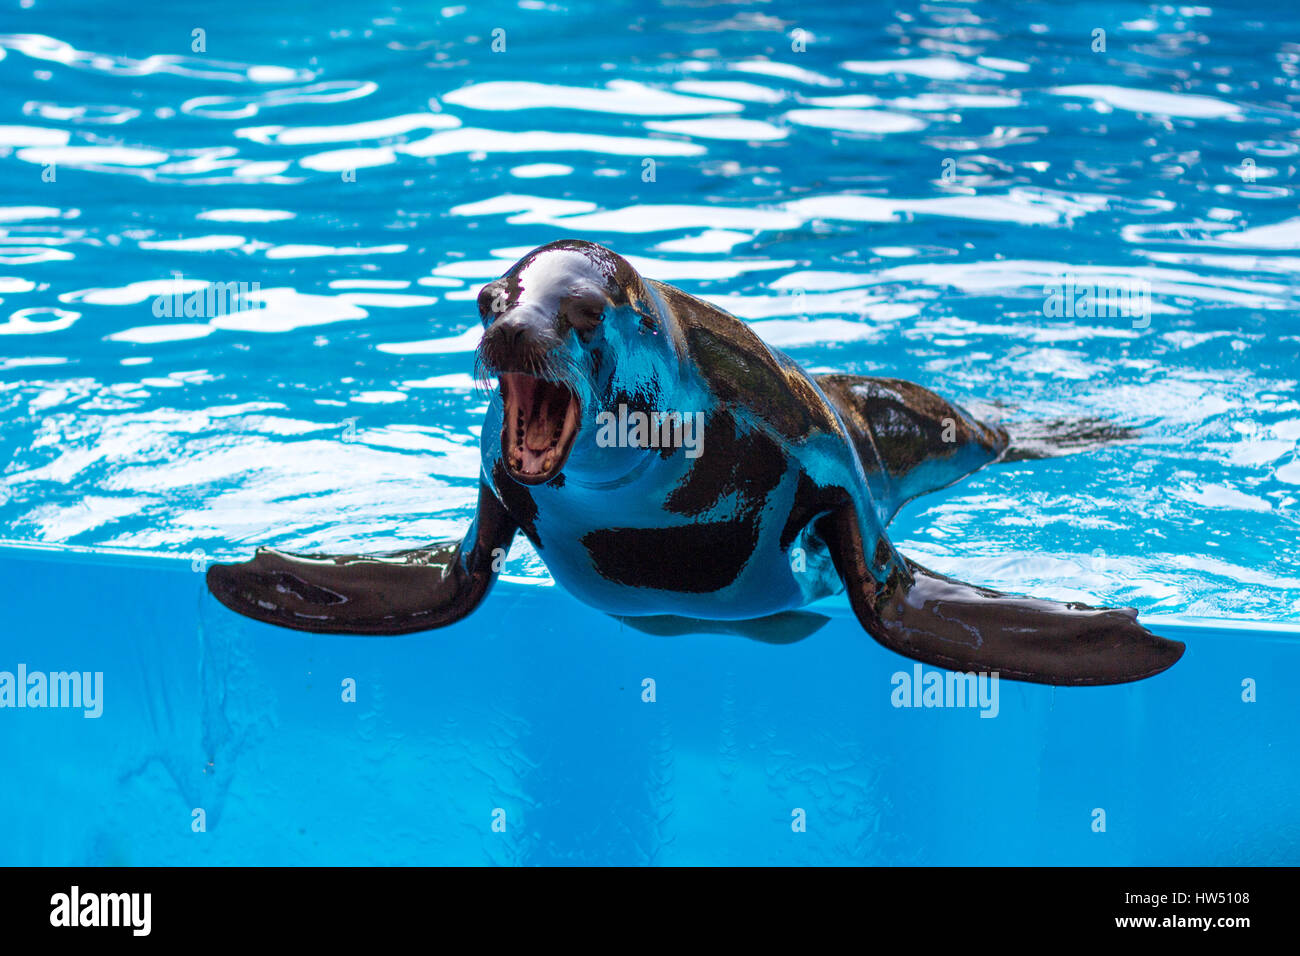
(785, 500)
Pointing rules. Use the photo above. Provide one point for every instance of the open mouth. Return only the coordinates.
(541, 420)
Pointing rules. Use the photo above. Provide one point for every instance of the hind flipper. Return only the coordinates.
(935, 619)
(371, 594)
(1031, 441)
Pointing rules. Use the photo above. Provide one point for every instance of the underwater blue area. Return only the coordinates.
(532, 712)
(940, 192)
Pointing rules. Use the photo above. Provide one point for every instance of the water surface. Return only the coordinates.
(885, 192)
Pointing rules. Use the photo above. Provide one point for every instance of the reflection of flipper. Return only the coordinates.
(935, 619)
(370, 594)
(785, 628)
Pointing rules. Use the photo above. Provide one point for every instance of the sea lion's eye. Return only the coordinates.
(584, 310)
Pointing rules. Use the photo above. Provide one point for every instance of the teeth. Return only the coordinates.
(530, 425)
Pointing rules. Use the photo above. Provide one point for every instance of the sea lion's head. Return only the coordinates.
(571, 330)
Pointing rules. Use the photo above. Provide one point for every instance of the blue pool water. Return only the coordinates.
(892, 197)
(206, 710)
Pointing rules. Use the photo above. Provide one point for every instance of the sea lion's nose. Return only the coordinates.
(512, 331)
(521, 333)
(518, 338)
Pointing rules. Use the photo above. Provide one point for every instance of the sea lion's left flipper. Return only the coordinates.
(384, 594)
(935, 619)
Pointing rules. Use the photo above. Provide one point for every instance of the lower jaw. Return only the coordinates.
(536, 412)
(532, 467)
(516, 471)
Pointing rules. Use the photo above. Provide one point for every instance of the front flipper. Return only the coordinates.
(935, 619)
(371, 594)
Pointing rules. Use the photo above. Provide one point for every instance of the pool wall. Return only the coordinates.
(530, 715)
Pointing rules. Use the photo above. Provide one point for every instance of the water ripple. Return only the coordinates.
(893, 196)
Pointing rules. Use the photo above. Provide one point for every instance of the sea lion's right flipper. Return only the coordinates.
(371, 594)
(935, 619)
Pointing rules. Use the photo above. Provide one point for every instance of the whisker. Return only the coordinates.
(552, 364)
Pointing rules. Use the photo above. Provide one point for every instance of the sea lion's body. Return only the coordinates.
(664, 533)
(783, 500)
(728, 534)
